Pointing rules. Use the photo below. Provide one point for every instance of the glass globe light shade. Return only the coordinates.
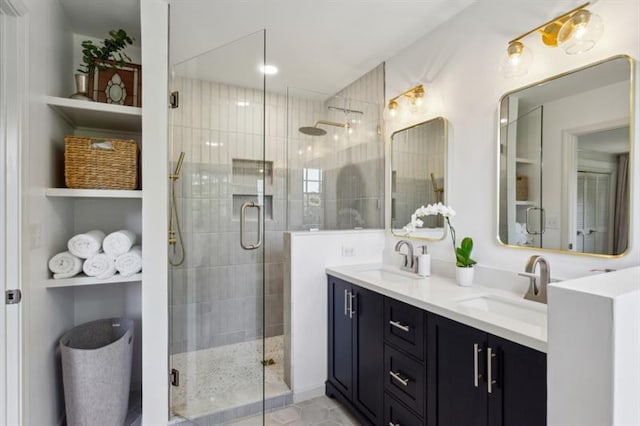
(517, 60)
(581, 32)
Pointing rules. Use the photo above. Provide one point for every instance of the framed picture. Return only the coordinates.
(120, 86)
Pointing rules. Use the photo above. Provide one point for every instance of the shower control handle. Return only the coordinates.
(243, 218)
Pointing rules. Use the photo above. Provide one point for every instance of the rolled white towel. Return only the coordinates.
(101, 266)
(86, 245)
(119, 242)
(65, 265)
(131, 262)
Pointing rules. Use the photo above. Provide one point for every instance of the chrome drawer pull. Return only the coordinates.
(403, 380)
(394, 424)
(476, 375)
(402, 327)
(490, 380)
(345, 302)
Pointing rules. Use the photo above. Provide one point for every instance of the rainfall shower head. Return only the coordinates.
(312, 131)
(316, 131)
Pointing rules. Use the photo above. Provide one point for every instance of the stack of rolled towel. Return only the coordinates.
(98, 255)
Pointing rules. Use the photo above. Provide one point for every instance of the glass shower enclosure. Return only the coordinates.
(226, 344)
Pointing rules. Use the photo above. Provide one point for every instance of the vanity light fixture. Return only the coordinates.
(575, 31)
(415, 95)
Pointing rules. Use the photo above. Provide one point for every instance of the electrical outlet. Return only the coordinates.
(553, 222)
(36, 235)
(348, 252)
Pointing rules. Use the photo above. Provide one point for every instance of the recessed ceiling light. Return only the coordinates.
(268, 69)
(243, 103)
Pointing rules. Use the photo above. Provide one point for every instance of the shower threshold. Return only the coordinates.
(217, 381)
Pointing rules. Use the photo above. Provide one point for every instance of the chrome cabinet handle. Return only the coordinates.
(490, 380)
(243, 218)
(402, 327)
(476, 375)
(351, 311)
(394, 424)
(345, 301)
(404, 381)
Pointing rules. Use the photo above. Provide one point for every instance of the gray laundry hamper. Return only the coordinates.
(96, 372)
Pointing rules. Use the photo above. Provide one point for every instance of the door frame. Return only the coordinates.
(13, 137)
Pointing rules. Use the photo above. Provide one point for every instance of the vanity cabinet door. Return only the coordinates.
(519, 394)
(340, 336)
(456, 389)
(368, 347)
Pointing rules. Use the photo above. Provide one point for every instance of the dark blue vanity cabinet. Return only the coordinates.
(356, 349)
(394, 364)
(476, 378)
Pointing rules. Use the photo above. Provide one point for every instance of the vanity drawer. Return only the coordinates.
(405, 379)
(396, 414)
(404, 327)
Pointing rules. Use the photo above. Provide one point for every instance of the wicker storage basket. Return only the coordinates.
(100, 163)
(522, 188)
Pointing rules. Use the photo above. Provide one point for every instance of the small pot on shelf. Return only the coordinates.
(464, 276)
(82, 88)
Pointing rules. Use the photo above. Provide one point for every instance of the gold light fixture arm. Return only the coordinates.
(557, 20)
(414, 92)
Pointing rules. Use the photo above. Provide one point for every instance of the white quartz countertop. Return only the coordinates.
(442, 296)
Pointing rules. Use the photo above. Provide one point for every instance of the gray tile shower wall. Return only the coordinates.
(350, 161)
(217, 294)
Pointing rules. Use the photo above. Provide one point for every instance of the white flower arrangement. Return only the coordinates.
(463, 253)
(430, 210)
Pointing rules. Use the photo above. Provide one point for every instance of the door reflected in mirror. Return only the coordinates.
(564, 161)
(418, 176)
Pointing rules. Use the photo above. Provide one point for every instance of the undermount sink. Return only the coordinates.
(387, 275)
(512, 309)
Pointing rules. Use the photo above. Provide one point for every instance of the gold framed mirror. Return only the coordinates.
(565, 161)
(418, 176)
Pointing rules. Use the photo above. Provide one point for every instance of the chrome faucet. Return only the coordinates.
(537, 283)
(409, 260)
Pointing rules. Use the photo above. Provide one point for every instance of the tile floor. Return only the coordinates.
(318, 411)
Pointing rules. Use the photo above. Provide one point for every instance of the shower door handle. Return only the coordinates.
(243, 218)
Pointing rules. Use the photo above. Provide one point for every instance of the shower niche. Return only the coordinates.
(252, 182)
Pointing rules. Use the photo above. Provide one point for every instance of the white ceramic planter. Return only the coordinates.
(464, 276)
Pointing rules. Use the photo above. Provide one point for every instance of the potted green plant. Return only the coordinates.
(464, 262)
(110, 54)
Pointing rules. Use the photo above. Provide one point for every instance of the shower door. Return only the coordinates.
(223, 193)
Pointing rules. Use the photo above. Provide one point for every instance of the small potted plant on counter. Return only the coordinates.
(464, 262)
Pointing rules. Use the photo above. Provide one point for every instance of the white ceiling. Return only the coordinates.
(96, 18)
(318, 45)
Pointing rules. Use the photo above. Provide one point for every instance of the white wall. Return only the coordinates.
(307, 254)
(458, 62)
(46, 314)
(593, 350)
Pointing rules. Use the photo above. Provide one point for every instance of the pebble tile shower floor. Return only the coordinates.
(227, 377)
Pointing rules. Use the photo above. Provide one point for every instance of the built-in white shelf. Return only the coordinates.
(525, 203)
(92, 193)
(522, 160)
(97, 115)
(81, 280)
